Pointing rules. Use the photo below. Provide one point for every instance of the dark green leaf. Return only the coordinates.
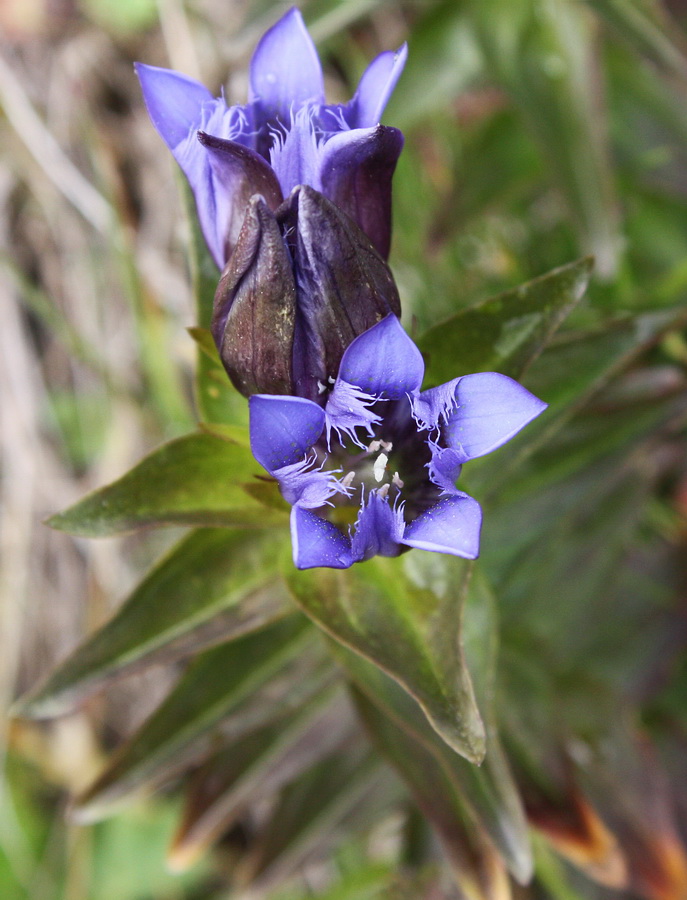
(213, 586)
(476, 865)
(408, 627)
(256, 767)
(195, 480)
(486, 795)
(505, 333)
(350, 785)
(541, 52)
(225, 693)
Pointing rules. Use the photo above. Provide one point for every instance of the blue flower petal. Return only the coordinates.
(489, 410)
(356, 172)
(348, 409)
(375, 88)
(295, 155)
(317, 542)
(378, 530)
(444, 468)
(283, 429)
(450, 526)
(237, 173)
(383, 361)
(434, 405)
(305, 485)
(285, 70)
(174, 102)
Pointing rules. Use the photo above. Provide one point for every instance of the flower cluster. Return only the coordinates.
(294, 199)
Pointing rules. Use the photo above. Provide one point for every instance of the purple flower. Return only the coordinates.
(373, 470)
(285, 136)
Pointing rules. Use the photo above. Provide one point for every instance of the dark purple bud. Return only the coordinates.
(344, 286)
(255, 307)
(239, 173)
(357, 168)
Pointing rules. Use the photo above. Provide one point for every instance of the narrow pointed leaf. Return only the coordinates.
(543, 54)
(213, 586)
(196, 480)
(351, 785)
(256, 767)
(505, 333)
(477, 867)
(486, 794)
(412, 632)
(226, 693)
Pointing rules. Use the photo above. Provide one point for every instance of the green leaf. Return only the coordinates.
(195, 480)
(541, 52)
(647, 28)
(476, 865)
(214, 585)
(505, 333)
(407, 625)
(225, 693)
(350, 784)
(485, 794)
(445, 61)
(256, 767)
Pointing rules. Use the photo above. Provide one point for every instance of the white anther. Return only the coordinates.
(331, 380)
(396, 481)
(379, 466)
(387, 446)
(321, 388)
(347, 480)
(374, 446)
(383, 491)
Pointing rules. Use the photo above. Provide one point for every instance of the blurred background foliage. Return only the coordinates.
(537, 131)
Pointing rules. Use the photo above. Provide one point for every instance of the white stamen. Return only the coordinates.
(347, 480)
(396, 481)
(321, 388)
(383, 491)
(387, 446)
(374, 446)
(379, 466)
(331, 380)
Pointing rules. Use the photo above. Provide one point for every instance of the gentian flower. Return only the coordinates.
(374, 470)
(285, 136)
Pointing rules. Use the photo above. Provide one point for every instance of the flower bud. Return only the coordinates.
(255, 307)
(343, 285)
(299, 287)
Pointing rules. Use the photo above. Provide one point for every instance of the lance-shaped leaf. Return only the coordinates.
(257, 767)
(570, 374)
(542, 54)
(350, 786)
(477, 867)
(507, 332)
(410, 631)
(226, 693)
(344, 286)
(487, 794)
(646, 26)
(255, 307)
(195, 480)
(213, 586)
